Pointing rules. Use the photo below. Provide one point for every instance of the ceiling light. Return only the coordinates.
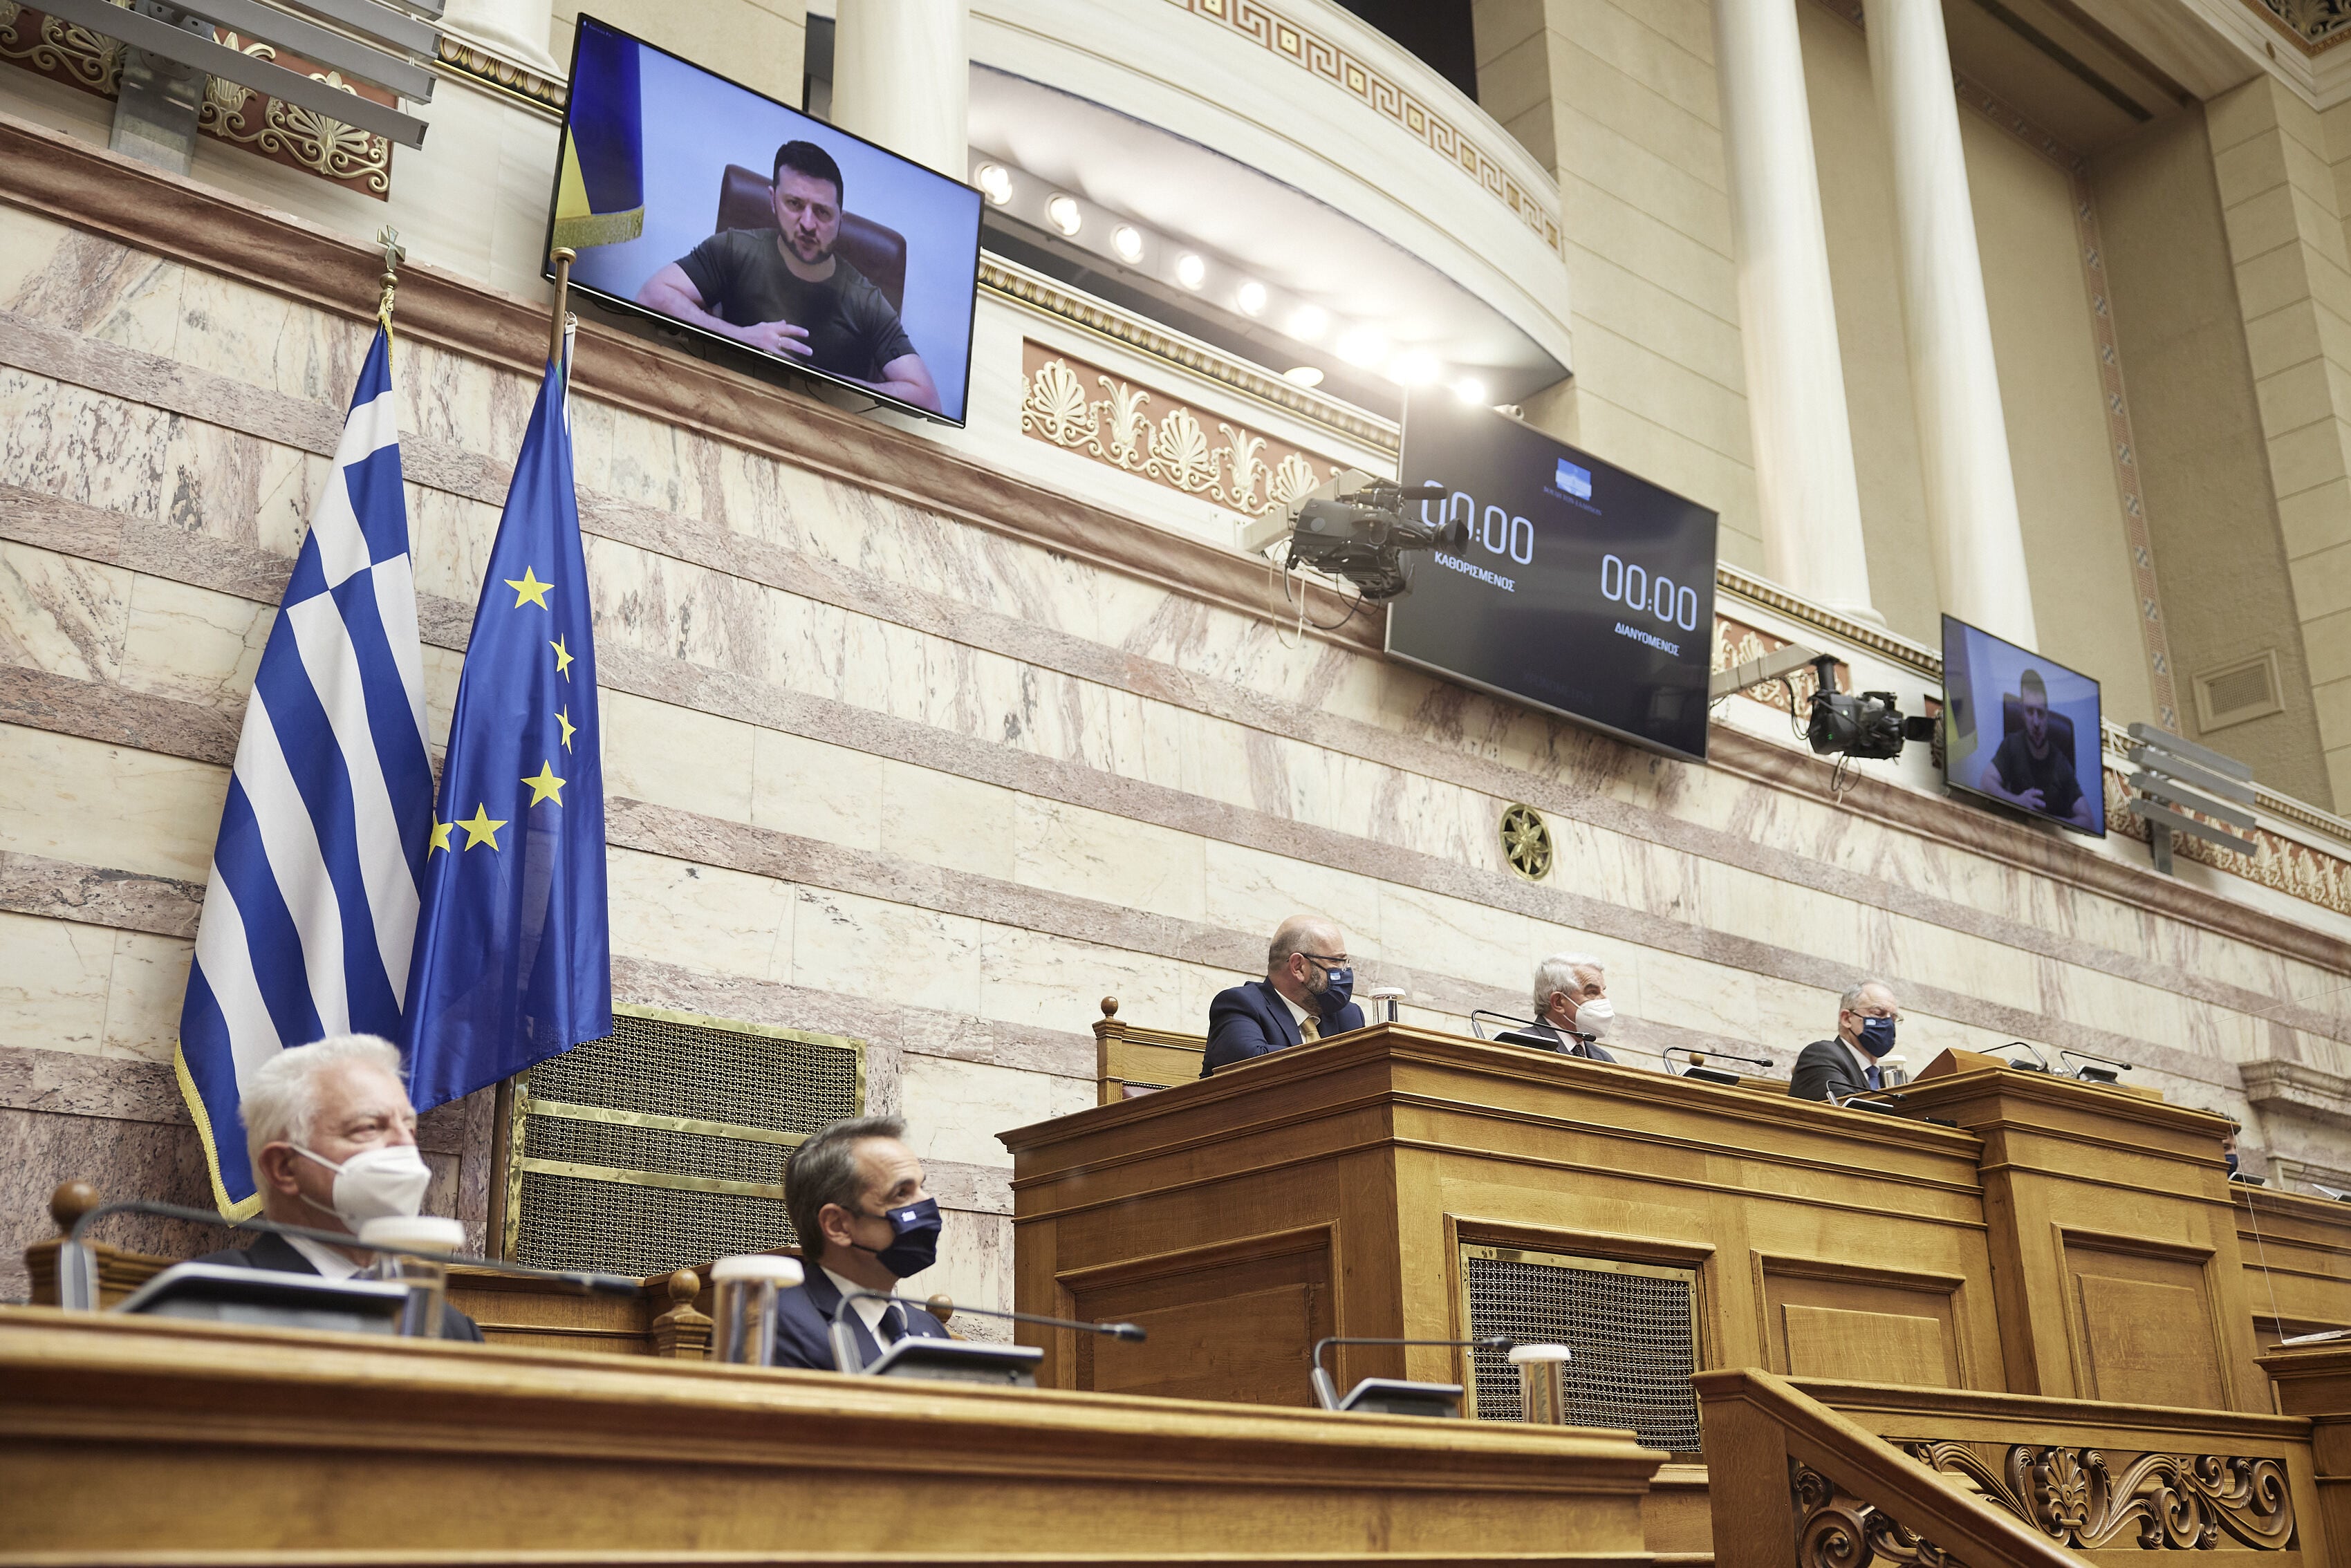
(1128, 242)
(1363, 346)
(1063, 212)
(1414, 368)
(1251, 297)
(1303, 375)
(996, 181)
(1308, 322)
(1471, 391)
(1191, 271)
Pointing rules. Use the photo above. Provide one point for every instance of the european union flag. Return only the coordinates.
(512, 951)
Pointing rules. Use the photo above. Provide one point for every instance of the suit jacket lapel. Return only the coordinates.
(827, 1299)
(276, 1254)
(1283, 1019)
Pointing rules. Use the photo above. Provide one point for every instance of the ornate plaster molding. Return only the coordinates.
(541, 93)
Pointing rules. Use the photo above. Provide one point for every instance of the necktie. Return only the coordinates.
(894, 1324)
(1309, 1030)
(1877, 1079)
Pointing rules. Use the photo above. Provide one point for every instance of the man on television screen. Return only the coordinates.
(2030, 769)
(783, 292)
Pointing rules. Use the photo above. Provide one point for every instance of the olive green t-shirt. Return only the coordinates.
(852, 327)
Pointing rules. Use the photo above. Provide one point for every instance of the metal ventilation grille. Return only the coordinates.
(1632, 1327)
(2236, 693)
(665, 1143)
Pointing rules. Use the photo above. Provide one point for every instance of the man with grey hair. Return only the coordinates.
(1303, 997)
(1840, 1068)
(331, 1139)
(854, 1193)
(1572, 1006)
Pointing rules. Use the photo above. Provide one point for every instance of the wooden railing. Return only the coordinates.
(1851, 1474)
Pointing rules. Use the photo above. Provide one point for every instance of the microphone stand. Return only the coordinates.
(78, 1265)
(845, 1356)
(1326, 1391)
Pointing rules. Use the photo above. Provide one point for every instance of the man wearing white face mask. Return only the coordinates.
(1571, 1004)
(332, 1139)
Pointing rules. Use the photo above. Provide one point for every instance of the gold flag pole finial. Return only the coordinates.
(563, 256)
(394, 253)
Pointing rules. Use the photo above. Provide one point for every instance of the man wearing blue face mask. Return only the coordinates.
(1303, 997)
(1847, 1065)
(855, 1195)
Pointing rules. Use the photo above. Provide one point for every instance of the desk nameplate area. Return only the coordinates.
(199, 1438)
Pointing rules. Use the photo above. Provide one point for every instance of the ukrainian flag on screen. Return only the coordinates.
(600, 197)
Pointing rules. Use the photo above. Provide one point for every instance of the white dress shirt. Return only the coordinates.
(330, 1264)
(869, 1311)
(1298, 1015)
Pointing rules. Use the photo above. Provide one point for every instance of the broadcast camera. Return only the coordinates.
(1355, 525)
(1867, 726)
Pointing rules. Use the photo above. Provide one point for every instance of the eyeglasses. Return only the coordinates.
(1875, 1013)
(1328, 960)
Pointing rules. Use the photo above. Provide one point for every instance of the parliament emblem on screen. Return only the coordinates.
(1575, 481)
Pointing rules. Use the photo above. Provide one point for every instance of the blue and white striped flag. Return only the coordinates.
(311, 911)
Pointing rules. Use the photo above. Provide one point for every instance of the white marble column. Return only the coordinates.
(1795, 381)
(1971, 514)
(900, 76)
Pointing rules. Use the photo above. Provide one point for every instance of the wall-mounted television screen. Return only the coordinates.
(2022, 730)
(1582, 590)
(692, 198)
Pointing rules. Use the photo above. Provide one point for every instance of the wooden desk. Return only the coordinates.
(1334, 1190)
(145, 1435)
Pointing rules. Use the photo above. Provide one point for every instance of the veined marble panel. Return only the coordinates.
(700, 917)
(983, 1101)
(53, 983)
(102, 805)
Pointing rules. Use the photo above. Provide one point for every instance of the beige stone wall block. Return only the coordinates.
(2321, 581)
(1251, 892)
(2267, 220)
(1670, 130)
(146, 986)
(955, 1109)
(1499, 27)
(1603, 159)
(645, 743)
(2274, 279)
(192, 644)
(2312, 456)
(2327, 640)
(60, 614)
(1705, 413)
(2318, 517)
(2301, 394)
(1667, 324)
(2292, 334)
(861, 947)
(2264, 163)
(2250, 110)
(94, 804)
(942, 819)
(1091, 854)
(1664, 456)
(1514, 80)
(53, 975)
(1604, 225)
(705, 918)
(1638, 41)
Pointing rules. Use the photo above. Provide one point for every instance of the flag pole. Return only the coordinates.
(563, 255)
(394, 253)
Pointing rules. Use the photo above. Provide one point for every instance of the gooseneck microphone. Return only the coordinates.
(1326, 1392)
(78, 1265)
(1131, 1332)
(1698, 1072)
(1476, 1013)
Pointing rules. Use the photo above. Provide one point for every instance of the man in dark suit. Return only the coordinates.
(1847, 1065)
(332, 1142)
(1303, 997)
(855, 1195)
(1571, 1006)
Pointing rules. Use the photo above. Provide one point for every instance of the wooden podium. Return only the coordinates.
(2064, 1238)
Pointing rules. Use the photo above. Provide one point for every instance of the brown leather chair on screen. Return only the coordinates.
(746, 201)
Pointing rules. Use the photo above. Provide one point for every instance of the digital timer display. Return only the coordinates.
(1580, 588)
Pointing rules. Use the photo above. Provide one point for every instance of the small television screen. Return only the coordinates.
(1582, 589)
(2022, 730)
(692, 198)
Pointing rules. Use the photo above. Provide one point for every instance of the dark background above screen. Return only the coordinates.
(1578, 558)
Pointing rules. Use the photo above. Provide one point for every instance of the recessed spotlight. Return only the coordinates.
(1363, 346)
(1251, 297)
(1308, 322)
(1128, 242)
(1303, 375)
(996, 182)
(1471, 391)
(1191, 271)
(1062, 213)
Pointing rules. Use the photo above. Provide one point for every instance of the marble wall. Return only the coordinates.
(886, 765)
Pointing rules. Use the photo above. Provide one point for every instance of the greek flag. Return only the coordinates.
(310, 909)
